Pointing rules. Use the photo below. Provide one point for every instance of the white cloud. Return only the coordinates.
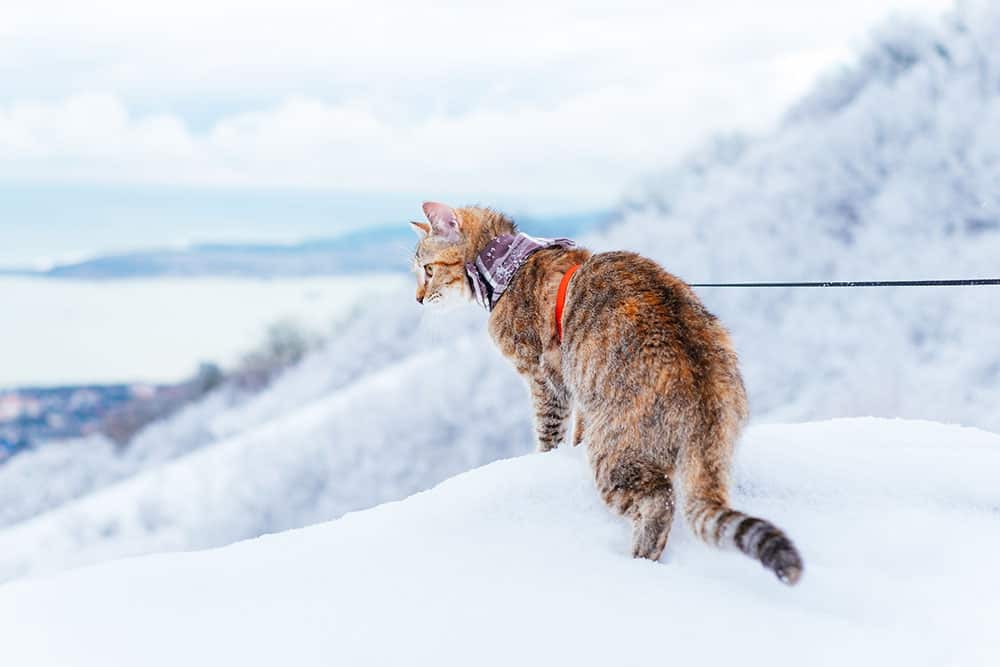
(554, 101)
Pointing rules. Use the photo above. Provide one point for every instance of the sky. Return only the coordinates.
(541, 107)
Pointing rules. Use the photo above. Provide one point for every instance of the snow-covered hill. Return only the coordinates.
(889, 169)
(520, 563)
(338, 434)
(41, 479)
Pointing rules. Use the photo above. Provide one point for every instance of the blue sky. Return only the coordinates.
(538, 106)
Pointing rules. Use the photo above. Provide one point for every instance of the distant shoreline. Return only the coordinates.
(378, 249)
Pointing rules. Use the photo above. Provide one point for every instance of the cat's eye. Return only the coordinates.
(429, 270)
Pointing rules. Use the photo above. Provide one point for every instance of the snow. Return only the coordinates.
(364, 442)
(519, 562)
(156, 330)
(46, 477)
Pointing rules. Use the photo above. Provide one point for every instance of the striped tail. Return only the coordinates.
(725, 527)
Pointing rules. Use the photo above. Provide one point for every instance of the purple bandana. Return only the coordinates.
(494, 268)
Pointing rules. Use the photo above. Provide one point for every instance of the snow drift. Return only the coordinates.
(520, 563)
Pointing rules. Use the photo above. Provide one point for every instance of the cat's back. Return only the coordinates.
(633, 292)
(629, 320)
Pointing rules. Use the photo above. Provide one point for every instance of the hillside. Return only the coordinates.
(888, 169)
(519, 563)
(338, 434)
(59, 472)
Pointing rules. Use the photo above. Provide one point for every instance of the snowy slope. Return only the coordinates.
(41, 479)
(519, 563)
(889, 169)
(363, 444)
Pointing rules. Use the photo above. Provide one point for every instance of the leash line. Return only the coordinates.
(974, 282)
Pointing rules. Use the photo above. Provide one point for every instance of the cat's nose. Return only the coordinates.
(420, 299)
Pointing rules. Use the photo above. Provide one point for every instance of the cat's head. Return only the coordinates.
(441, 255)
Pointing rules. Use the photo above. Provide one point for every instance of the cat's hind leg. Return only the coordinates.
(651, 526)
(642, 493)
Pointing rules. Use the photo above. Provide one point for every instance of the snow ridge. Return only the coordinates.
(519, 562)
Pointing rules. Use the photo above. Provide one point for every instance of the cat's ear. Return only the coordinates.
(444, 220)
(422, 229)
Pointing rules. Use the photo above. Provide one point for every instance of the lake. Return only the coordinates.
(157, 330)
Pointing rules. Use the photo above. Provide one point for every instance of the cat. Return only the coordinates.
(650, 374)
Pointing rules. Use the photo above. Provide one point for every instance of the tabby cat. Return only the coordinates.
(650, 374)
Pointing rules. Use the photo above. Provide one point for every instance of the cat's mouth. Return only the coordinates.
(448, 300)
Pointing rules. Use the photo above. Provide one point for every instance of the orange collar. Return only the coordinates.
(561, 298)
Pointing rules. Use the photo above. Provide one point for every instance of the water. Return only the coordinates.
(61, 332)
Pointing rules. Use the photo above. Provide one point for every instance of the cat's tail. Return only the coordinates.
(722, 526)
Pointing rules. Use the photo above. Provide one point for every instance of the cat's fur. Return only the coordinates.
(650, 374)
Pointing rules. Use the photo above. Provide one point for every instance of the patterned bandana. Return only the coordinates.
(492, 272)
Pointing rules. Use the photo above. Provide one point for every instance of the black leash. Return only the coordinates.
(865, 283)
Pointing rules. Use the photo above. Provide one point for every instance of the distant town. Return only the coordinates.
(33, 415)
(30, 417)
